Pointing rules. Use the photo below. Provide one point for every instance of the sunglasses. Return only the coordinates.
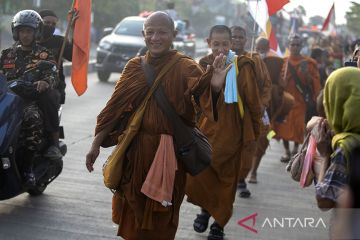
(295, 45)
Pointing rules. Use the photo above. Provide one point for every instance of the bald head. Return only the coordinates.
(159, 33)
(159, 19)
(295, 37)
(262, 45)
(262, 41)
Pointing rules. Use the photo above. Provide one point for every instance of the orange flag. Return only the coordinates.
(81, 46)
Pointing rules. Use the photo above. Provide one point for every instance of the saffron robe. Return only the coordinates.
(293, 128)
(138, 216)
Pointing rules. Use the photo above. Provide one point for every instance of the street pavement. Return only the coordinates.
(77, 206)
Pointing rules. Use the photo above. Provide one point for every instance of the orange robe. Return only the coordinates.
(138, 216)
(293, 128)
(214, 189)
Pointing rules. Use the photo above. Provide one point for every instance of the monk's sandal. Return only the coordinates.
(201, 221)
(216, 232)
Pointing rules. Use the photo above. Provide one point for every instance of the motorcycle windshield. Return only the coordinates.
(10, 119)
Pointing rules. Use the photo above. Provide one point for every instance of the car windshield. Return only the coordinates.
(130, 27)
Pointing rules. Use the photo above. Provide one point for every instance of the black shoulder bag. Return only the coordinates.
(306, 92)
(191, 145)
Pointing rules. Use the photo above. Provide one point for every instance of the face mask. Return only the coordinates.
(48, 31)
(262, 55)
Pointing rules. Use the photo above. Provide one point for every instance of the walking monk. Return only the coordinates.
(280, 103)
(140, 216)
(263, 82)
(302, 80)
(238, 121)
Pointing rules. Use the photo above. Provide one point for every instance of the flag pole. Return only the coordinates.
(61, 53)
(254, 28)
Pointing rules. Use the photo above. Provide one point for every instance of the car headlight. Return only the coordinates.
(105, 45)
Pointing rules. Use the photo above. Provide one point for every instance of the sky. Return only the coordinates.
(322, 8)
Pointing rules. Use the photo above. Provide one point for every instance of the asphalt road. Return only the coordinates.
(78, 206)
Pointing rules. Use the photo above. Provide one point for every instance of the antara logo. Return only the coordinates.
(284, 222)
(291, 222)
(242, 222)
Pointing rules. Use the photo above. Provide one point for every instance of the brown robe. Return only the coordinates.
(262, 78)
(214, 189)
(138, 216)
(293, 128)
(264, 87)
(274, 65)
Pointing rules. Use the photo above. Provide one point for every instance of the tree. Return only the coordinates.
(353, 18)
(109, 13)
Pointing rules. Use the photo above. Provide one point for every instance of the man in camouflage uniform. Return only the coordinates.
(14, 61)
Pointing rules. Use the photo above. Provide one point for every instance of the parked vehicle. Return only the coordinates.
(12, 153)
(123, 42)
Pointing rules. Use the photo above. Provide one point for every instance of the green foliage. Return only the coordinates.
(353, 18)
(109, 13)
(106, 12)
(316, 20)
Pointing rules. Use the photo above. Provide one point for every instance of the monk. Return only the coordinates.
(293, 128)
(263, 82)
(279, 104)
(262, 46)
(139, 216)
(214, 189)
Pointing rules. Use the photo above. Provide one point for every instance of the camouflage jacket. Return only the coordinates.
(14, 62)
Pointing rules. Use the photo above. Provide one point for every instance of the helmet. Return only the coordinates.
(26, 18)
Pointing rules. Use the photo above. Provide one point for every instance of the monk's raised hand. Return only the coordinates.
(220, 71)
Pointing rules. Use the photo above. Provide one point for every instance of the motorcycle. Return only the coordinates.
(13, 97)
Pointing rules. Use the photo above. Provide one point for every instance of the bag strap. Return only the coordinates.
(134, 122)
(155, 83)
(306, 91)
(298, 82)
(182, 132)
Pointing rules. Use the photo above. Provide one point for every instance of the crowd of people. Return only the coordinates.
(237, 98)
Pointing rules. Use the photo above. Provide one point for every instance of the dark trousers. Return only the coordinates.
(49, 103)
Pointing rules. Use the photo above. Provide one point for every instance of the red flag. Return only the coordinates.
(81, 46)
(261, 10)
(275, 5)
(330, 18)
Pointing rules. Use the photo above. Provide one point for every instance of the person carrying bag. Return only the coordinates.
(113, 167)
(305, 90)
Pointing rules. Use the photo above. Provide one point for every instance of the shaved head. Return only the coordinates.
(160, 18)
(262, 41)
(159, 33)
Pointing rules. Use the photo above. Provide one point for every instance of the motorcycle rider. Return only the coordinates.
(54, 43)
(14, 61)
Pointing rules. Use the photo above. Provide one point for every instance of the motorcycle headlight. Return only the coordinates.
(105, 45)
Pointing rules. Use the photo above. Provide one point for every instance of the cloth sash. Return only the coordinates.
(231, 92)
(159, 182)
